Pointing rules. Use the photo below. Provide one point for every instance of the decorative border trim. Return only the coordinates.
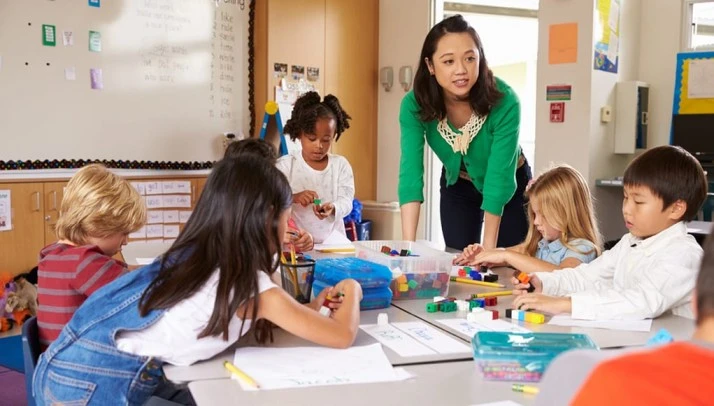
(112, 164)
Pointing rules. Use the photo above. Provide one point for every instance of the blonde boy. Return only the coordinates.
(653, 267)
(98, 211)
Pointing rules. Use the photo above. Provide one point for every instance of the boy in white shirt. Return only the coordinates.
(314, 173)
(653, 268)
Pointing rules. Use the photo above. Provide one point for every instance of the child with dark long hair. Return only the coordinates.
(198, 299)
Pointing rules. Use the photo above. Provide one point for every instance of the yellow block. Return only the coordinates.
(535, 318)
(403, 287)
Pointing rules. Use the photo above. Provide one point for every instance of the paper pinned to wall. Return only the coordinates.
(152, 188)
(171, 216)
(182, 187)
(296, 367)
(140, 233)
(563, 43)
(155, 231)
(5, 210)
(397, 340)
(140, 187)
(184, 216)
(155, 217)
(171, 231)
(154, 202)
(700, 84)
(623, 325)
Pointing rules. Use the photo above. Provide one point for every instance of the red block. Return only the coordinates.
(462, 273)
(495, 314)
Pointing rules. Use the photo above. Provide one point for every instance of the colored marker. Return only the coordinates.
(501, 293)
(240, 374)
(325, 308)
(533, 390)
(479, 283)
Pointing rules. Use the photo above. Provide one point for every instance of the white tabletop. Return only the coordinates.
(213, 368)
(450, 383)
(681, 328)
(699, 227)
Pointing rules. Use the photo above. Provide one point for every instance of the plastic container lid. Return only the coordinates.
(368, 274)
(374, 298)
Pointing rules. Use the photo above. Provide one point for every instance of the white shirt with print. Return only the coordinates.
(335, 184)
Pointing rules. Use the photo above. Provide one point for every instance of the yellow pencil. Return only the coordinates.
(282, 258)
(489, 294)
(337, 250)
(533, 390)
(293, 260)
(479, 283)
(240, 374)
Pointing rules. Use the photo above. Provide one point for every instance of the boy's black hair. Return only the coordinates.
(672, 174)
(251, 146)
(308, 108)
(704, 288)
(483, 95)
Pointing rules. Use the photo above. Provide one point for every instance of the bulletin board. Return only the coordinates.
(144, 80)
(694, 83)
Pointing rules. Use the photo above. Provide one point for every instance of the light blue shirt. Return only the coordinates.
(555, 252)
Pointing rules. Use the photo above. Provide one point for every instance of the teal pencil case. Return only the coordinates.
(522, 356)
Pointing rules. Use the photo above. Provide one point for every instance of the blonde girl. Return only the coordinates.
(562, 232)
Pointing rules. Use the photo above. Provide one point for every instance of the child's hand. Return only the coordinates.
(468, 254)
(324, 211)
(522, 288)
(543, 303)
(305, 198)
(303, 242)
(492, 257)
(335, 301)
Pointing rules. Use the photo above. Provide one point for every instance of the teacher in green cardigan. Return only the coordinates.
(470, 119)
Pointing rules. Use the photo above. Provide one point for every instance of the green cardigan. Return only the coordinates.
(491, 159)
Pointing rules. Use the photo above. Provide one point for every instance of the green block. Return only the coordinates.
(448, 307)
(413, 284)
(432, 307)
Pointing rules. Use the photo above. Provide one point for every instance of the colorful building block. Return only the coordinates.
(385, 250)
(462, 272)
(403, 287)
(413, 284)
(522, 276)
(490, 277)
(404, 253)
(432, 307)
(530, 317)
(448, 307)
(475, 275)
(462, 305)
(491, 301)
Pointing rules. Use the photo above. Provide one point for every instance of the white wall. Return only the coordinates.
(660, 34)
(403, 24)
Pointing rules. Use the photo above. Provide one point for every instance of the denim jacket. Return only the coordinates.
(84, 367)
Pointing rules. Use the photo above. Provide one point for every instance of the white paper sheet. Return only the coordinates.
(140, 233)
(155, 231)
(614, 17)
(171, 216)
(70, 73)
(182, 187)
(139, 186)
(152, 188)
(470, 328)
(397, 340)
(613, 48)
(171, 231)
(170, 200)
(433, 338)
(5, 210)
(154, 202)
(168, 187)
(623, 325)
(184, 216)
(154, 217)
(296, 367)
(701, 79)
(144, 261)
(183, 201)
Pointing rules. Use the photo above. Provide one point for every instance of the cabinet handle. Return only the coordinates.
(48, 218)
(37, 201)
(54, 200)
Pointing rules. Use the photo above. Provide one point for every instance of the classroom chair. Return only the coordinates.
(30, 353)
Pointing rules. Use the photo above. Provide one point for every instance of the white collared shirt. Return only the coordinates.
(636, 279)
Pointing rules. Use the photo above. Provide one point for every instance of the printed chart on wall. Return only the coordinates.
(694, 83)
(5, 211)
(607, 34)
(154, 80)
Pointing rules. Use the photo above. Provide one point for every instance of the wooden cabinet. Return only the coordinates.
(20, 246)
(35, 209)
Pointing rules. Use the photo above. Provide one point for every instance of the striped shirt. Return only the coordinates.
(67, 275)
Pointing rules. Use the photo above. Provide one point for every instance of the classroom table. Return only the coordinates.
(447, 383)
(681, 328)
(213, 368)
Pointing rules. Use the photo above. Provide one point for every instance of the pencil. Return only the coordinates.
(479, 283)
(337, 250)
(533, 390)
(489, 294)
(293, 260)
(240, 374)
(282, 258)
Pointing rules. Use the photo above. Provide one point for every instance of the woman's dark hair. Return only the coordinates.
(234, 231)
(251, 146)
(308, 108)
(483, 95)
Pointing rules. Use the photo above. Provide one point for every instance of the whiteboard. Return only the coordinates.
(174, 73)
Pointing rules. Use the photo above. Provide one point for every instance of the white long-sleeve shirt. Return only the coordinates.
(636, 279)
(335, 184)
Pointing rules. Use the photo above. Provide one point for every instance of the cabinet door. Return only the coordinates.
(54, 191)
(198, 185)
(20, 246)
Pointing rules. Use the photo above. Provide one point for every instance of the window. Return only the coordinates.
(698, 25)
